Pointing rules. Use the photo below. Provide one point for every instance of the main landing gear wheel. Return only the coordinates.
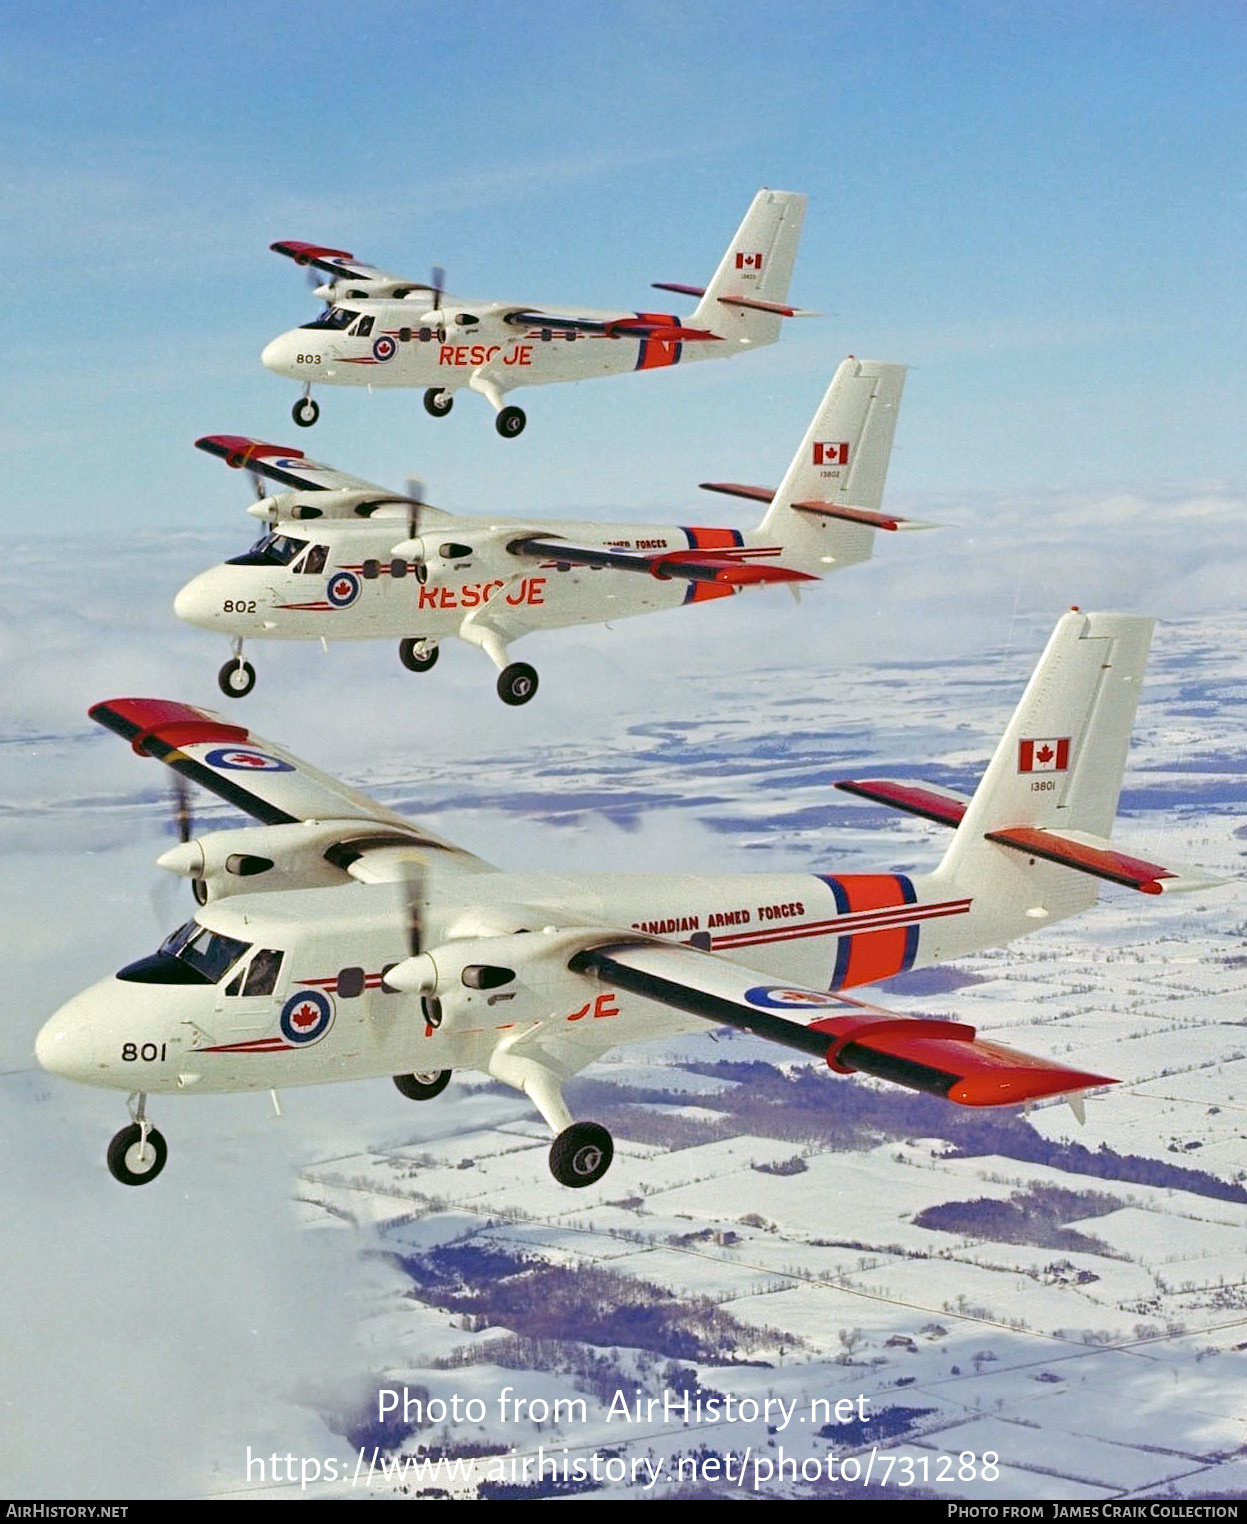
(236, 679)
(437, 402)
(581, 1154)
(510, 422)
(422, 1087)
(517, 683)
(411, 657)
(305, 412)
(133, 1161)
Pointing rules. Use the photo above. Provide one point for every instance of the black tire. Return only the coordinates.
(517, 683)
(510, 422)
(581, 1154)
(305, 412)
(437, 402)
(236, 679)
(413, 662)
(124, 1163)
(422, 1087)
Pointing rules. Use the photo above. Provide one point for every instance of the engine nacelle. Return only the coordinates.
(266, 858)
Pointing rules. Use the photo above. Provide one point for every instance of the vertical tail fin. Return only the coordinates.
(842, 463)
(1058, 767)
(757, 266)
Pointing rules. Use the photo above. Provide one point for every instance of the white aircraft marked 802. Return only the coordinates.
(339, 941)
(343, 559)
(379, 329)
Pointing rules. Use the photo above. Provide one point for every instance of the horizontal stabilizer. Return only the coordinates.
(1100, 858)
(774, 307)
(940, 1057)
(738, 489)
(925, 799)
(862, 516)
(666, 285)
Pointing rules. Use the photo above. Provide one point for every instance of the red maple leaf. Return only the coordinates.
(1044, 754)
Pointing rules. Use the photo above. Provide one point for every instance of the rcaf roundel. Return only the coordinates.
(244, 759)
(343, 589)
(306, 1016)
(775, 997)
(384, 348)
(1048, 754)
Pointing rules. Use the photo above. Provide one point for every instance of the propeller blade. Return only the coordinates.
(437, 280)
(257, 481)
(183, 814)
(415, 888)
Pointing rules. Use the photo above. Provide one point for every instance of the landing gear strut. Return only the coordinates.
(417, 655)
(438, 402)
(581, 1154)
(137, 1153)
(422, 1087)
(236, 678)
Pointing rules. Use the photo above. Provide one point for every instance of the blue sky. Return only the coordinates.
(1041, 208)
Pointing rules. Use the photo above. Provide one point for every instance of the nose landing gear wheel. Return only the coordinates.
(236, 678)
(411, 657)
(517, 683)
(437, 402)
(422, 1087)
(305, 412)
(133, 1161)
(581, 1154)
(510, 422)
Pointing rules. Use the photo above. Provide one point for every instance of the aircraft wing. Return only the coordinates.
(341, 265)
(289, 467)
(263, 780)
(629, 325)
(734, 566)
(943, 1058)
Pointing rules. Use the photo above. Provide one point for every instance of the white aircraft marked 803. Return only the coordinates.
(339, 941)
(343, 559)
(379, 329)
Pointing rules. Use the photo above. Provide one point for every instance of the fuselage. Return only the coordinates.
(400, 343)
(339, 580)
(288, 988)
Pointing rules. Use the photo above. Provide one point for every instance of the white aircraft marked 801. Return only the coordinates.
(343, 559)
(379, 329)
(339, 941)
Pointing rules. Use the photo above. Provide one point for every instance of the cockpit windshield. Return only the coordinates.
(333, 317)
(191, 955)
(270, 550)
(208, 952)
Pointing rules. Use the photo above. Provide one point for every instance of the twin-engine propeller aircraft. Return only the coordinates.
(342, 559)
(338, 940)
(379, 329)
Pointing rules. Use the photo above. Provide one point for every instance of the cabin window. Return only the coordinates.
(350, 983)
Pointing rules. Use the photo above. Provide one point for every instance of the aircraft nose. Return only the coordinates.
(274, 356)
(195, 602)
(63, 1045)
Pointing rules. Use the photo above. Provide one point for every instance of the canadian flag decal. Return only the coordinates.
(830, 454)
(1050, 755)
(748, 261)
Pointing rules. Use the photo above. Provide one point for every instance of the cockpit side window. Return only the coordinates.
(363, 328)
(316, 558)
(262, 975)
(333, 317)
